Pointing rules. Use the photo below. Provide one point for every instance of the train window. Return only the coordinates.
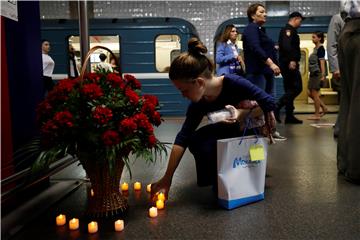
(167, 48)
(110, 42)
(239, 43)
(174, 53)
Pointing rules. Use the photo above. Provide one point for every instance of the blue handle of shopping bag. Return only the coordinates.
(248, 122)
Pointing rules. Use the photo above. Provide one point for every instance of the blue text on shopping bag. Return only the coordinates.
(244, 162)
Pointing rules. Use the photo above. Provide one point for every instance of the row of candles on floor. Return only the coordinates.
(92, 226)
(119, 224)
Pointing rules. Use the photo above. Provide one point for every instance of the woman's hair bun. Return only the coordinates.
(196, 47)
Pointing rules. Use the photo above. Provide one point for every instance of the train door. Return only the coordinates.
(167, 48)
(303, 68)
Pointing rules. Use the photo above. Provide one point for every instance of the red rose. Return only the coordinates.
(115, 80)
(133, 97)
(65, 86)
(152, 99)
(92, 91)
(64, 119)
(93, 77)
(132, 81)
(102, 115)
(142, 122)
(148, 108)
(127, 126)
(156, 118)
(49, 127)
(110, 138)
(152, 141)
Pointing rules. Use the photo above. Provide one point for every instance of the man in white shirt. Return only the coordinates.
(48, 65)
(104, 66)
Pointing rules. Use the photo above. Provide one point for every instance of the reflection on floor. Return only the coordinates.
(304, 198)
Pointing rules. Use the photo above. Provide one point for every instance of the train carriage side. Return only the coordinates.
(273, 26)
(146, 47)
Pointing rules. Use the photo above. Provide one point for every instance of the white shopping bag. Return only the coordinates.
(241, 177)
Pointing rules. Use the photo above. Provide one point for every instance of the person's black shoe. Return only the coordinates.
(292, 120)
(277, 115)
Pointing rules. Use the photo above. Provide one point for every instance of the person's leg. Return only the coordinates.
(295, 88)
(315, 97)
(48, 83)
(284, 98)
(315, 93)
(349, 116)
(269, 84)
(269, 89)
(323, 107)
(203, 145)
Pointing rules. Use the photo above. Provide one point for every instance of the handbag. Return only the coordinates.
(241, 167)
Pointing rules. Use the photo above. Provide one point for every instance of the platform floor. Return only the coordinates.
(304, 198)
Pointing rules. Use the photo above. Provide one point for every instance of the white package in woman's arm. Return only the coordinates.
(219, 116)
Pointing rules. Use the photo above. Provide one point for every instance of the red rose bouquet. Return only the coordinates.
(102, 113)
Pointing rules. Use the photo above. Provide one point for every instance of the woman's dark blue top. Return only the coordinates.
(235, 89)
(257, 48)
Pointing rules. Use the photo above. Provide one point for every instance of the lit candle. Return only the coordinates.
(153, 212)
(124, 187)
(161, 196)
(148, 188)
(74, 224)
(60, 220)
(137, 186)
(119, 225)
(92, 227)
(92, 192)
(159, 204)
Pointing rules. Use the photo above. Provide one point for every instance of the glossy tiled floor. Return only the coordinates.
(304, 198)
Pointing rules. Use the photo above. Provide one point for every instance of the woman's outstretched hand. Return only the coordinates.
(163, 185)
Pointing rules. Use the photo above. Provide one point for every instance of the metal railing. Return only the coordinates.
(24, 179)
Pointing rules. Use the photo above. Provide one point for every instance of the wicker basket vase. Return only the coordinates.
(107, 199)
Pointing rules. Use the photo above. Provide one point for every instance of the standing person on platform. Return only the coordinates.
(348, 153)
(317, 74)
(289, 51)
(114, 66)
(104, 66)
(73, 71)
(260, 53)
(192, 74)
(227, 53)
(258, 47)
(48, 65)
(336, 25)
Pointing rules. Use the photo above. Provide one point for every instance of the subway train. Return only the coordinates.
(146, 47)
